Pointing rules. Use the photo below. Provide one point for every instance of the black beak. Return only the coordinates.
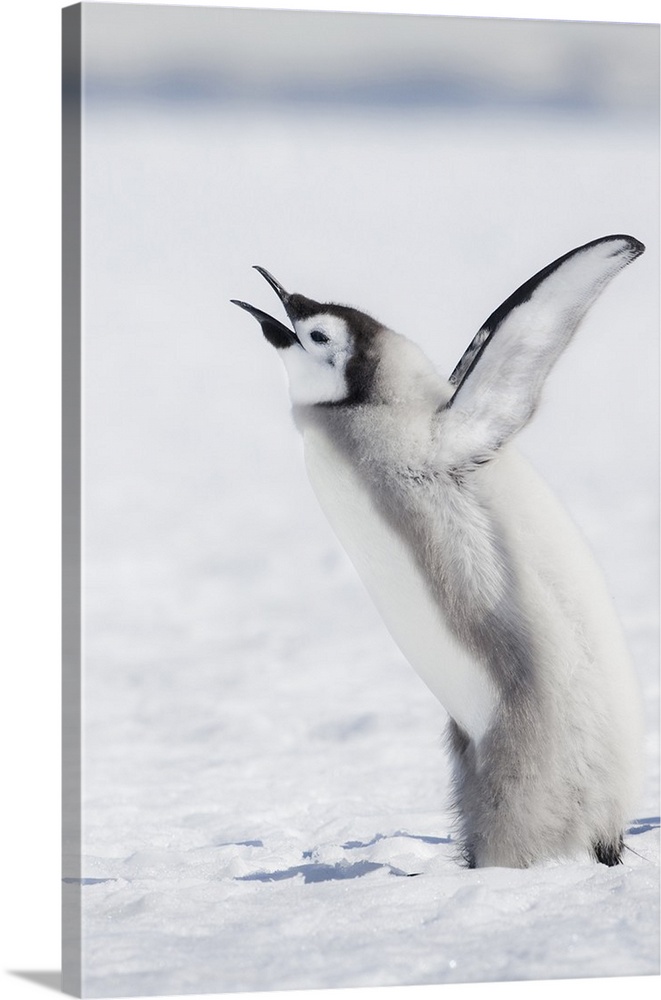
(275, 332)
(275, 285)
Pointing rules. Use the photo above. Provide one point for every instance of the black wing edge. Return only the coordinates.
(522, 294)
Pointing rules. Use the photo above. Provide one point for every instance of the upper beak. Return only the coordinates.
(275, 285)
(275, 332)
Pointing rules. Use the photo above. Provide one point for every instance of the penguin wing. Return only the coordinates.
(500, 377)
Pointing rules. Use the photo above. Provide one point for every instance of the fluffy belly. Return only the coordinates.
(397, 587)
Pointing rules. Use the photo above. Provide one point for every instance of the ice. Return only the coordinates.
(262, 768)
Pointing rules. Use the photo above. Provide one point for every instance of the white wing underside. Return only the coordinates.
(500, 378)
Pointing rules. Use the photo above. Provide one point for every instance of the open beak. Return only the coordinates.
(275, 332)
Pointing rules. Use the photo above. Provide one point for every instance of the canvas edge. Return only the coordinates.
(71, 500)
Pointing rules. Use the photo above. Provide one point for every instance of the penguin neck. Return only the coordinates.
(405, 383)
(406, 377)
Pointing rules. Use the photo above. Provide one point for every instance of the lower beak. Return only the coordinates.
(275, 332)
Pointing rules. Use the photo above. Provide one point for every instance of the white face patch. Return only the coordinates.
(316, 370)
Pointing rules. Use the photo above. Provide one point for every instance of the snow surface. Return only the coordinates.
(262, 768)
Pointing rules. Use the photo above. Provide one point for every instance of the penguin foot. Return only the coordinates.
(609, 853)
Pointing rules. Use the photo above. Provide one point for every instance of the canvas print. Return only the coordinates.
(361, 500)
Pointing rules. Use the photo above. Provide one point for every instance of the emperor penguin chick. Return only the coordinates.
(479, 574)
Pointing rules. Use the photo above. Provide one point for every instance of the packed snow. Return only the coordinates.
(265, 781)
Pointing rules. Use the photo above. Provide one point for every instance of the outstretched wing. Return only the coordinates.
(500, 377)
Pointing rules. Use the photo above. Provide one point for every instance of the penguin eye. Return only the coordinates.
(319, 337)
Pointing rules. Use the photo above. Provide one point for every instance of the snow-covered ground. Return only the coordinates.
(262, 768)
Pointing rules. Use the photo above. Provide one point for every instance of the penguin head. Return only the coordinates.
(330, 355)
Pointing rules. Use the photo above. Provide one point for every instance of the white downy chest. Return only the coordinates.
(397, 586)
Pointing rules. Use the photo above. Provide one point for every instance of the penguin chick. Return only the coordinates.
(479, 574)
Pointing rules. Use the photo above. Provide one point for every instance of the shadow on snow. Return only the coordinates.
(643, 825)
(351, 844)
(321, 873)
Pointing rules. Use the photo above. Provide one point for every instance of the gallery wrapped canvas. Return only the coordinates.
(272, 783)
